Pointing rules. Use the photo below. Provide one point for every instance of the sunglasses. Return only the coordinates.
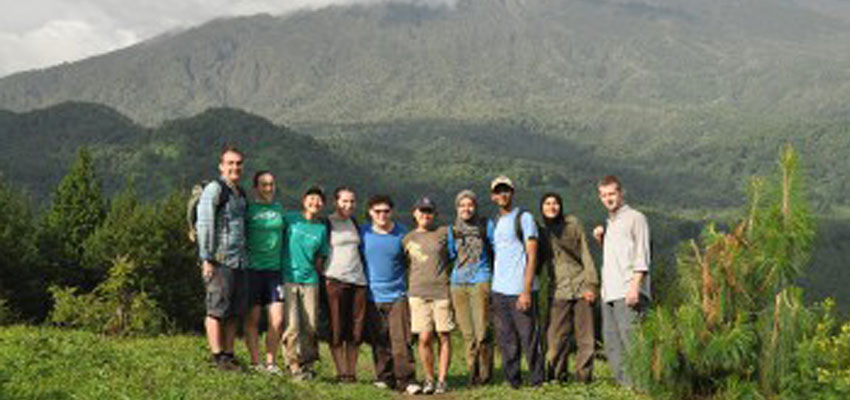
(381, 210)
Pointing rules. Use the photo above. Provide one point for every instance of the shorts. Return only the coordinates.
(264, 287)
(226, 292)
(347, 311)
(427, 314)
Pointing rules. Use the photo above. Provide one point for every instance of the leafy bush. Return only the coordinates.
(6, 315)
(118, 306)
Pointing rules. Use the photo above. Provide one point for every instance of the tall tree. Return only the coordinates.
(78, 208)
(21, 281)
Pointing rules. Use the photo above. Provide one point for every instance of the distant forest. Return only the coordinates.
(152, 169)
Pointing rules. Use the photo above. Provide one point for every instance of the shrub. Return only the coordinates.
(118, 306)
(739, 329)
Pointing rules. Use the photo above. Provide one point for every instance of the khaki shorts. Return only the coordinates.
(425, 315)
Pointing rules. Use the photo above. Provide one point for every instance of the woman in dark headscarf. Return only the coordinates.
(469, 244)
(573, 285)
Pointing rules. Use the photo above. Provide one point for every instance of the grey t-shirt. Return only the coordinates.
(429, 271)
(344, 263)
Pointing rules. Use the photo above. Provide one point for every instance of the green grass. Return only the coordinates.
(51, 363)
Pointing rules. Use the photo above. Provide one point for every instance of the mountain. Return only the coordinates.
(40, 145)
(687, 97)
(653, 62)
(437, 158)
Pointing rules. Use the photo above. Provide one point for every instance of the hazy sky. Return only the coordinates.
(40, 33)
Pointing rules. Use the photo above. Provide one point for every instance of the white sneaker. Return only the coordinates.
(273, 370)
(412, 389)
(380, 385)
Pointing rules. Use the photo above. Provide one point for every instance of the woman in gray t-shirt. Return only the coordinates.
(345, 282)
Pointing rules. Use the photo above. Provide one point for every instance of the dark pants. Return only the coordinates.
(568, 317)
(347, 312)
(389, 334)
(518, 328)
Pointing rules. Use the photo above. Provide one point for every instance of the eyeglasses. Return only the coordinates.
(381, 210)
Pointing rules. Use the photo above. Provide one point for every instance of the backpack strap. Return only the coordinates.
(223, 194)
(518, 225)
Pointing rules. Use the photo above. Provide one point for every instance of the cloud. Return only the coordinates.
(41, 33)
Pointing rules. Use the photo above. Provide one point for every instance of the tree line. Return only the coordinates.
(116, 266)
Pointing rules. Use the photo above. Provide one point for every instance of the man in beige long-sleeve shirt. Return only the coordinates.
(625, 273)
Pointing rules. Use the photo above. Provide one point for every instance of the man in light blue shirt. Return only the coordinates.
(220, 227)
(514, 290)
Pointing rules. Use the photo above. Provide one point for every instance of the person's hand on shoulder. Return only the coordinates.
(599, 233)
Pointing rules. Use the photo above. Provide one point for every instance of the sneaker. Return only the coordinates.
(272, 369)
(305, 375)
(441, 388)
(412, 389)
(428, 387)
(380, 385)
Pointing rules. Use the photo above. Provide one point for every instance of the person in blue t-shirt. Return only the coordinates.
(469, 244)
(387, 312)
(514, 289)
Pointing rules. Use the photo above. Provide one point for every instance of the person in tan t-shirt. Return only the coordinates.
(430, 307)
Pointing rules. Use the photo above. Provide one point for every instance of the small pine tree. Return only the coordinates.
(735, 333)
(77, 210)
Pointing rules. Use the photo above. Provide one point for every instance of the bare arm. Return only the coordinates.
(524, 301)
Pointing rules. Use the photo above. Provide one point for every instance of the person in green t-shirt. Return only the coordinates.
(304, 254)
(264, 227)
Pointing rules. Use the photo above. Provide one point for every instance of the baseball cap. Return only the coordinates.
(425, 203)
(501, 180)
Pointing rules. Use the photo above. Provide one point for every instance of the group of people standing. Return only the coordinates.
(383, 282)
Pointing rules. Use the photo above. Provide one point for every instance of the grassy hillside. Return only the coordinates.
(49, 363)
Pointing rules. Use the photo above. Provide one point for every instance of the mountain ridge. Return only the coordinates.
(477, 60)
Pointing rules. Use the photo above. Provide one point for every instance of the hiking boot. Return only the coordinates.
(226, 364)
(441, 388)
(412, 389)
